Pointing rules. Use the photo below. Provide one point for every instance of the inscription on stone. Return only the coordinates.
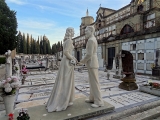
(149, 45)
(140, 66)
(149, 56)
(44, 94)
(140, 46)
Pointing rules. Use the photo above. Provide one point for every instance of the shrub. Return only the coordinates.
(2, 60)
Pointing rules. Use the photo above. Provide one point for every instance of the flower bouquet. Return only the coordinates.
(24, 70)
(153, 85)
(151, 88)
(9, 85)
(23, 115)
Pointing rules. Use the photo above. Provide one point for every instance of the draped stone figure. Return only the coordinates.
(8, 64)
(91, 61)
(63, 91)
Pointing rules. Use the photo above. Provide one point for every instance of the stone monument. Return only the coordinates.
(118, 64)
(17, 69)
(8, 64)
(114, 65)
(127, 65)
(156, 67)
(91, 61)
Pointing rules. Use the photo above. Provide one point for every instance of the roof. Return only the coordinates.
(105, 9)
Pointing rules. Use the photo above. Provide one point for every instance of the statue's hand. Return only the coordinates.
(80, 64)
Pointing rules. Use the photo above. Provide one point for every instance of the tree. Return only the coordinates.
(19, 48)
(24, 44)
(38, 46)
(8, 28)
(28, 44)
(44, 44)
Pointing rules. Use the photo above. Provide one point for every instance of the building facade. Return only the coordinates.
(135, 27)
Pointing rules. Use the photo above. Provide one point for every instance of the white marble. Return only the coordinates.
(91, 61)
(8, 63)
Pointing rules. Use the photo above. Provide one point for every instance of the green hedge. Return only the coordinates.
(2, 60)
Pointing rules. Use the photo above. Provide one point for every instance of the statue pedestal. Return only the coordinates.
(128, 82)
(79, 110)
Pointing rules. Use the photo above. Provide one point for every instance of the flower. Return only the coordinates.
(9, 85)
(153, 85)
(152, 65)
(24, 70)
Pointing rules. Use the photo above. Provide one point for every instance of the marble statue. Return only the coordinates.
(8, 64)
(17, 69)
(91, 61)
(63, 91)
(114, 65)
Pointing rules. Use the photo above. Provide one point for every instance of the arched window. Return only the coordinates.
(140, 1)
(126, 29)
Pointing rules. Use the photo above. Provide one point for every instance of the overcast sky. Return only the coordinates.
(52, 17)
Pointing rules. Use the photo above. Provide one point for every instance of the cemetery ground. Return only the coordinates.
(133, 105)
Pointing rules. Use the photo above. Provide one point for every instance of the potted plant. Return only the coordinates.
(23, 115)
(9, 87)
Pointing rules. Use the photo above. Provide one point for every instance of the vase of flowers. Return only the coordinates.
(9, 87)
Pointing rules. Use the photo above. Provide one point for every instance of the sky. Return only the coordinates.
(52, 17)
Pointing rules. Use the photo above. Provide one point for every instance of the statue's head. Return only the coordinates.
(69, 33)
(89, 31)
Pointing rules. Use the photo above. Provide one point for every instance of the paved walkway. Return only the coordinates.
(38, 87)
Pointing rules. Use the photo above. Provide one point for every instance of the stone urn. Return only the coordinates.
(9, 103)
(129, 81)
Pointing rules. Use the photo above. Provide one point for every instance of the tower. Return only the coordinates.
(85, 21)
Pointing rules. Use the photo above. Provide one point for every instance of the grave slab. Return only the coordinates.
(79, 110)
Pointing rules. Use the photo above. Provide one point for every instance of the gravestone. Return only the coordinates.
(114, 65)
(127, 65)
(118, 63)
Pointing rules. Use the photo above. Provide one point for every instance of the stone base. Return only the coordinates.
(117, 76)
(79, 110)
(128, 86)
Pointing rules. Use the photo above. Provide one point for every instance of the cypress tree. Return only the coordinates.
(8, 28)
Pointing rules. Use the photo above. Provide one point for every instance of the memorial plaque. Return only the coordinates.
(41, 94)
(149, 56)
(148, 66)
(158, 44)
(140, 46)
(149, 45)
(140, 66)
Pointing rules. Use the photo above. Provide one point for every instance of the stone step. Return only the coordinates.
(146, 115)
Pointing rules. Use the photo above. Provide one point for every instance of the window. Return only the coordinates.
(140, 1)
(150, 21)
(126, 29)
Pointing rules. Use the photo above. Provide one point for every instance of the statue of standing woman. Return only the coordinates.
(63, 91)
